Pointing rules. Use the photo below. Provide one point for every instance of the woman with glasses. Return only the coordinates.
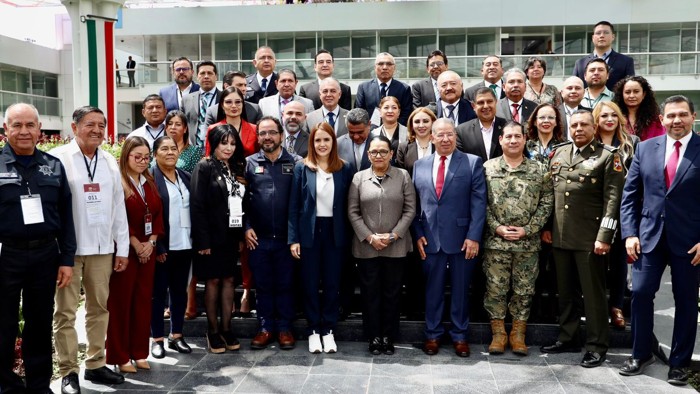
(538, 91)
(131, 290)
(635, 98)
(545, 129)
(317, 233)
(389, 111)
(216, 205)
(173, 250)
(381, 207)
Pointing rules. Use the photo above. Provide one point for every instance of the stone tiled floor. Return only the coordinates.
(354, 370)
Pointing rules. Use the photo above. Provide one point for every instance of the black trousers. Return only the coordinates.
(380, 280)
(31, 274)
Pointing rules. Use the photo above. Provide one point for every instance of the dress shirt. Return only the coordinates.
(181, 93)
(455, 112)
(520, 110)
(487, 135)
(605, 56)
(423, 152)
(436, 166)
(100, 238)
(358, 149)
(179, 198)
(670, 148)
(605, 95)
(435, 89)
(149, 133)
(499, 89)
(325, 190)
(567, 112)
(388, 84)
(260, 78)
(335, 112)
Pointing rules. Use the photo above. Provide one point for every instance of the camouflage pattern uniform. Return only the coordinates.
(521, 197)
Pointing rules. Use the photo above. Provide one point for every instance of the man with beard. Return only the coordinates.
(182, 70)
(451, 105)
(596, 78)
(296, 139)
(492, 71)
(514, 107)
(269, 175)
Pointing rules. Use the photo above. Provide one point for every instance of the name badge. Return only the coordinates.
(93, 204)
(288, 168)
(259, 170)
(148, 224)
(235, 209)
(31, 209)
(185, 220)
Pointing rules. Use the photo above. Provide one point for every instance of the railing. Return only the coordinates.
(647, 64)
(46, 105)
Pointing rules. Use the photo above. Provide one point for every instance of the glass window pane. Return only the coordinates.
(664, 41)
(283, 47)
(688, 40)
(364, 47)
(453, 45)
(638, 40)
(421, 46)
(641, 63)
(342, 69)
(23, 81)
(248, 48)
(206, 45)
(481, 44)
(396, 45)
(305, 47)
(226, 46)
(663, 64)
(688, 64)
(339, 47)
(362, 69)
(576, 42)
(9, 80)
(51, 86)
(305, 69)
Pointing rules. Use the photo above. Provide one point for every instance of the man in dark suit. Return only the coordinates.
(449, 224)
(620, 65)
(514, 107)
(451, 105)
(588, 179)
(296, 139)
(324, 66)
(426, 91)
(572, 95)
(195, 104)
(182, 70)
(262, 83)
(492, 71)
(480, 136)
(371, 92)
(236, 79)
(131, 71)
(352, 146)
(660, 227)
(331, 112)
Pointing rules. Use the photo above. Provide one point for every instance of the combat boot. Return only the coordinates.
(517, 337)
(499, 339)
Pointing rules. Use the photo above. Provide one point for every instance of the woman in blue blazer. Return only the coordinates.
(318, 232)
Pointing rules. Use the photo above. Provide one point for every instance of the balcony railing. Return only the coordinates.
(46, 105)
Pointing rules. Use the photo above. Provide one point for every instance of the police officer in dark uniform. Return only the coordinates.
(37, 248)
(269, 174)
(588, 180)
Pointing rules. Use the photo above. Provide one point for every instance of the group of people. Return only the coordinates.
(476, 187)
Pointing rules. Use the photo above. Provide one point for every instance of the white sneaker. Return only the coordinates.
(329, 345)
(315, 343)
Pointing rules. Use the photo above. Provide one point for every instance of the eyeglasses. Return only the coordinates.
(436, 64)
(141, 159)
(381, 153)
(271, 133)
(548, 117)
(182, 69)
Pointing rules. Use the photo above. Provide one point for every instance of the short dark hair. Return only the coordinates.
(153, 97)
(207, 63)
(379, 137)
(512, 123)
(357, 116)
(80, 113)
(176, 113)
(434, 53)
(321, 51)
(675, 99)
(484, 90)
(605, 23)
(180, 59)
(584, 111)
(596, 60)
(531, 62)
(288, 71)
(277, 122)
(228, 77)
(159, 141)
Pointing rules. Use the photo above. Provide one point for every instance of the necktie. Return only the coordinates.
(494, 87)
(263, 87)
(382, 91)
(451, 112)
(202, 127)
(437, 91)
(440, 181)
(331, 119)
(282, 104)
(358, 156)
(290, 144)
(576, 153)
(672, 165)
(516, 115)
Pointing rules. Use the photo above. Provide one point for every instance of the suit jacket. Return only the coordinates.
(254, 92)
(163, 244)
(423, 93)
(471, 140)
(252, 112)
(170, 94)
(562, 113)
(302, 206)
(270, 106)
(460, 212)
(346, 152)
(316, 117)
(311, 92)
(190, 106)
(620, 67)
(407, 155)
(648, 207)
(470, 92)
(301, 143)
(131, 65)
(503, 110)
(466, 112)
(368, 97)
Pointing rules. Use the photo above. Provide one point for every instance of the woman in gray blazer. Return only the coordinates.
(381, 207)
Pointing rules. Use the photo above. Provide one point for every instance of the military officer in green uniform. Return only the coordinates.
(520, 200)
(588, 180)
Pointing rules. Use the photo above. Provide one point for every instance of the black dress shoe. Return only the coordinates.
(376, 346)
(592, 359)
(70, 384)
(157, 349)
(388, 345)
(103, 375)
(678, 376)
(179, 344)
(561, 347)
(635, 366)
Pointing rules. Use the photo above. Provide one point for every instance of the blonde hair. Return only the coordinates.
(626, 146)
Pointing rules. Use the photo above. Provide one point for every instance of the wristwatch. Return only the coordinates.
(392, 238)
(153, 242)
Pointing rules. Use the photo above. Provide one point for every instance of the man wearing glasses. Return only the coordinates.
(448, 228)
(371, 92)
(183, 71)
(426, 91)
(620, 65)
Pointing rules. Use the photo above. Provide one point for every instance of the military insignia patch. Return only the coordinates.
(46, 170)
(617, 163)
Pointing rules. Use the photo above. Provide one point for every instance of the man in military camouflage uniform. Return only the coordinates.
(520, 201)
(588, 179)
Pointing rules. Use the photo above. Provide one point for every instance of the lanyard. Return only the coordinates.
(23, 172)
(148, 130)
(91, 174)
(176, 184)
(141, 190)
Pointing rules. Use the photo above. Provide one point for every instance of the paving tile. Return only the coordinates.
(399, 367)
(579, 374)
(285, 364)
(661, 389)
(527, 387)
(347, 384)
(224, 380)
(341, 366)
(463, 368)
(408, 384)
(584, 388)
(256, 382)
(228, 361)
(463, 386)
(508, 370)
(150, 380)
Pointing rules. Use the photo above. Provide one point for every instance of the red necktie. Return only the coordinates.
(516, 115)
(672, 165)
(440, 181)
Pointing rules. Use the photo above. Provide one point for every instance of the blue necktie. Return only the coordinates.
(331, 119)
(382, 91)
(201, 121)
(264, 85)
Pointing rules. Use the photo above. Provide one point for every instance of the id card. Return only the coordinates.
(31, 209)
(235, 208)
(93, 204)
(148, 224)
(185, 220)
